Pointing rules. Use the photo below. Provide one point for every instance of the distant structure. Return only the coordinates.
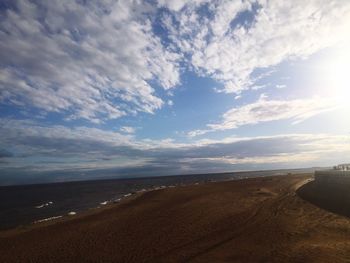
(342, 167)
(339, 174)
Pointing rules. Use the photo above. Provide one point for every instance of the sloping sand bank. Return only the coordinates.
(252, 220)
(332, 196)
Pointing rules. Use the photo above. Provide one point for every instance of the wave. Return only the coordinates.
(117, 200)
(44, 205)
(47, 219)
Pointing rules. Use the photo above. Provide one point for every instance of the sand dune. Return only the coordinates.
(251, 220)
(334, 197)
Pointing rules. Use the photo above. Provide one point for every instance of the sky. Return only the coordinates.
(97, 89)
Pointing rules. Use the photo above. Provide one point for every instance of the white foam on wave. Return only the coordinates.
(47, 219)
(104, 203)
(72, 213)
(44, 205)
(117, 200)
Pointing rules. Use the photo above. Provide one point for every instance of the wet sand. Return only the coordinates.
(251, 220)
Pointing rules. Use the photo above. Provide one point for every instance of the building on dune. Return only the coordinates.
(339, 174)
(342, 167)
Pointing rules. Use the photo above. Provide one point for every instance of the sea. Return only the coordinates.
(23, 205)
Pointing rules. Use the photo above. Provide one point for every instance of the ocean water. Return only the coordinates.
(25, 204)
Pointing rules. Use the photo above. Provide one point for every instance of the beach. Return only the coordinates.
(251, 220)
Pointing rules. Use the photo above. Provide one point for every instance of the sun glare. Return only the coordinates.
(335, 77)
(339, 76)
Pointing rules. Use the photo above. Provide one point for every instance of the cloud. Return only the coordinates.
(195, 133)
(177, 5)
(25, 133)
(281, 86)
(231, 40)
(38, 148)
(265, 110)
(174, 5)
(90, 60)
(127, 129)
(104, 60)
(5, 154)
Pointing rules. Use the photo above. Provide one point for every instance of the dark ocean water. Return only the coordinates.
(24, 204)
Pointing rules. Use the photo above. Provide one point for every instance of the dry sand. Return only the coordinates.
(251, 220)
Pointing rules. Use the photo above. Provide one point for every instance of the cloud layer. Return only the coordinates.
(31, 147)
(264, 110)
(230, 40)
(91, 61)
(101, 60)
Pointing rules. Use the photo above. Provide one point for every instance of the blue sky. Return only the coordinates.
(140, 88)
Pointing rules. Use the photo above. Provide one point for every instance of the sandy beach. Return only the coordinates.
(250, 220)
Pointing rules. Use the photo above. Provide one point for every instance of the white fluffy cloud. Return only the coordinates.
(232, 39)
(264, 110)
(127, 129)
(177, 5)
(102, 59)
(91, 61)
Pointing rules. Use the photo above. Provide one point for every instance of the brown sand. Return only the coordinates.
(252, 220)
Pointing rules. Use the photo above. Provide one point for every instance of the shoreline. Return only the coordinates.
(110, 204)
(30, 203)
(274, 171)
(114, 202)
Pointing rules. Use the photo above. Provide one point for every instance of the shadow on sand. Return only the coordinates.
(334, 197)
